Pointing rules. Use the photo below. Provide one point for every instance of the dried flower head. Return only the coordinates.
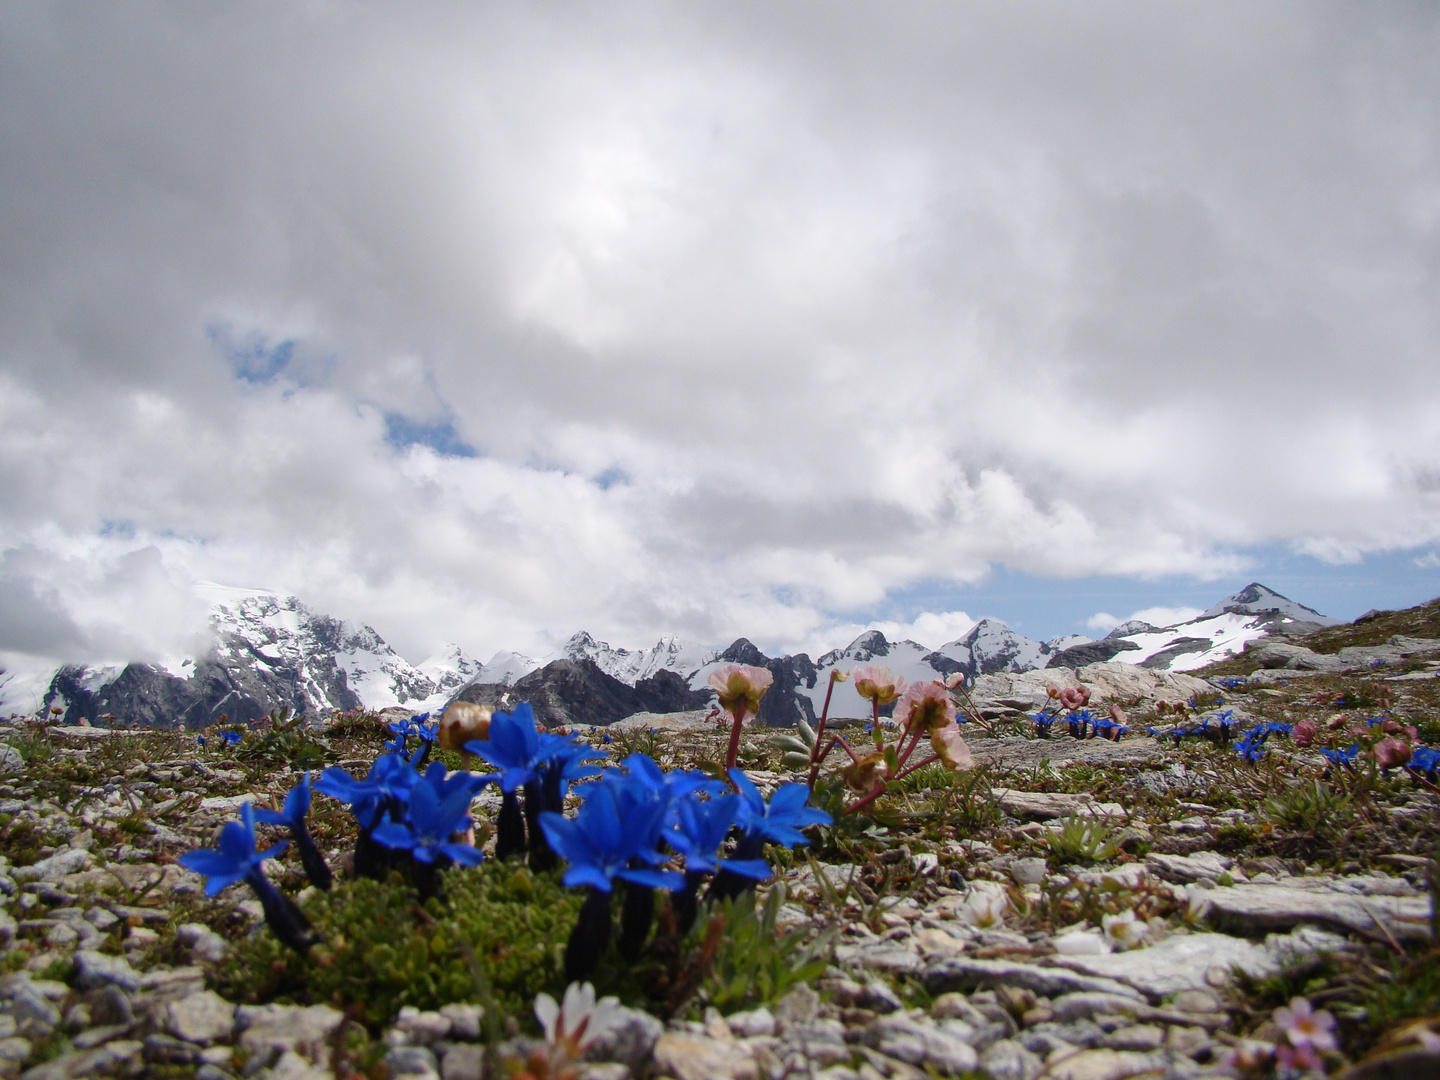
(463, 722)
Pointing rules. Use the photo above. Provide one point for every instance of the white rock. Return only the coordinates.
(200, 1018)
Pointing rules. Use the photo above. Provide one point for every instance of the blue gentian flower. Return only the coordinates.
(1424, 760)
(1252, 747)
(1343, 757)
(699, 834)
(292, 817)
(235, 858)
(434, 814)
(543, 764)
(513, 747)
(232, 738)
(612, 828)
(387, 788)
(782, 819)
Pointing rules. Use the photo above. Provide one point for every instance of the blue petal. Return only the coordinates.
(753, 868)
(577, 875)
(393, 836)
(463, 854)
(658, 879)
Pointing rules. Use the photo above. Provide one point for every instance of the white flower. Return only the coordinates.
(579, 1021)
(1124, 931)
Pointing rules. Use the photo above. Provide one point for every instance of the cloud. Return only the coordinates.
(1429, 561)
(487, 324)
(1102, 622)
(1166, 616)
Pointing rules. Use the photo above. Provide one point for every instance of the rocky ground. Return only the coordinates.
(1069, 909)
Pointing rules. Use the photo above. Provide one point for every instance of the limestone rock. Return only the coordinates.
(630, 1040)
(267, 1029)
(1008, 1060)
(97, 969)
(1196, 961)
(1046, 806)
(1250, 907)
(920, 1042)
(698, 1057)
(962, 973)
(200, 1018)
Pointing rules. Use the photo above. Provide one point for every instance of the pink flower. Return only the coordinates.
(739, 688)
(954, 680)
(1075, 697)
(1304, 1027)
(926, 705)
(1304, 732)
(1391, 752)
(878, 683)
(950, 747)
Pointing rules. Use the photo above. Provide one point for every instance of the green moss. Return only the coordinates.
(383, 950)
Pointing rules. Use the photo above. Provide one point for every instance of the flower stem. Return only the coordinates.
(875, 793)
(589, 938)
(732, 752)
(286, 921)
(636, 915)
(509, 827)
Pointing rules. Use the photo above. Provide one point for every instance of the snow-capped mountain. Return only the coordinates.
(269, 652)
(630, 666)
(1257, 599)
(1221, 631)
(508, 667)
(451, 669)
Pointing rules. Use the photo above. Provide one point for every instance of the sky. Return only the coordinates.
(490, 323)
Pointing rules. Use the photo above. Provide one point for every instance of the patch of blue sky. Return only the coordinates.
(124, 530)
(1042, 608)
(610, 477)
(260, 361)
(256, 358)
(402, 432)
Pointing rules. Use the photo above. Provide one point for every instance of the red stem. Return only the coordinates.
(815, 755)
(732, 753)
(875, 793)
(918, 765)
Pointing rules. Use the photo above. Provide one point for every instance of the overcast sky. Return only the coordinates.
(488, 323)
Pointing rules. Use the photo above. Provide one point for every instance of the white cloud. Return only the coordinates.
(1166, 616)
(744, 327)
(1102, 622)
(1429, 561)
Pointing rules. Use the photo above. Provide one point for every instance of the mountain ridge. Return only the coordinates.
(272, 651)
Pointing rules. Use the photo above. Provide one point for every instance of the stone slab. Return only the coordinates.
(1249, 908)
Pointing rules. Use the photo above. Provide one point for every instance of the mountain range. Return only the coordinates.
(271, 651)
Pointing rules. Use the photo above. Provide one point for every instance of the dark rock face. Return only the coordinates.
(1096, 652)
(781, 706)
(239, 690)
(577, 692)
